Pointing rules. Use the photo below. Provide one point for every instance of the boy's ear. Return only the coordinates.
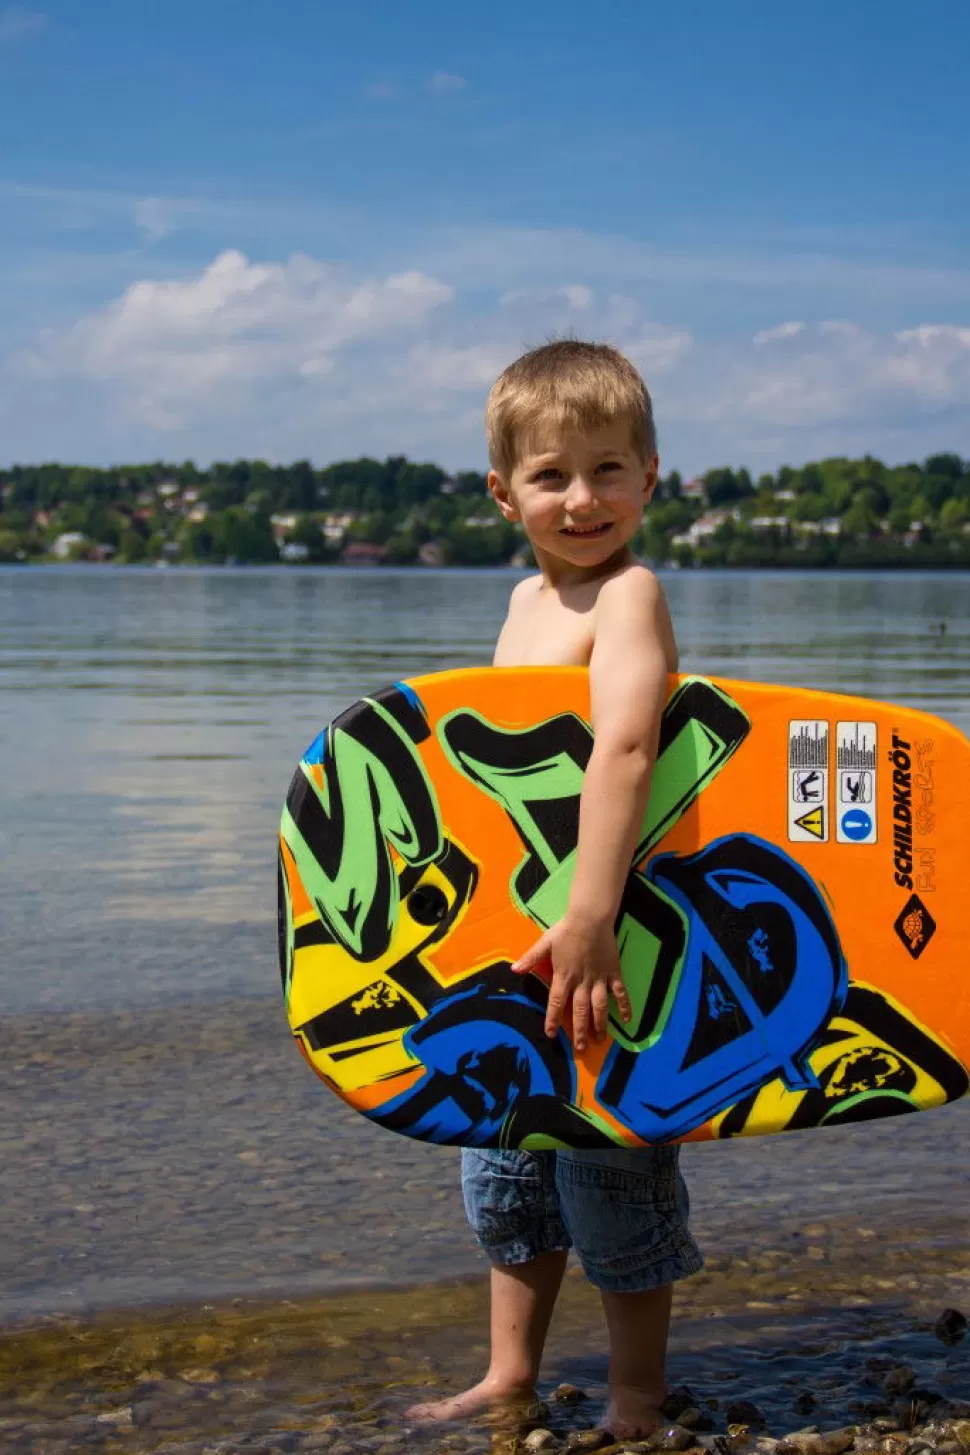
(502, 496)
(650, 477)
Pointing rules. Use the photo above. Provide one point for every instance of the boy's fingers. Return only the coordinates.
(554, 1009)
(580, 1017)
(622, 999)
(601, 1005)
(533, 956)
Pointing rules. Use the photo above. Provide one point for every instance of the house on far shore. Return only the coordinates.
(363, 553)
(66, 542)
(281, 525)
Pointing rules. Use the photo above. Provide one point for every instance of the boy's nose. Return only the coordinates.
(580, 495)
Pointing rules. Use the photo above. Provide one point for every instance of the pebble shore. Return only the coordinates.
(766, 1375)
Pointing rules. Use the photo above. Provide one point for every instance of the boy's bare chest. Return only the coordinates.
(545, 636)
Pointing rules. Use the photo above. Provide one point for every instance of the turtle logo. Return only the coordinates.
(915, 926)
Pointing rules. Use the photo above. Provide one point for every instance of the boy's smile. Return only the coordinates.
(579, 496)
(586, 530)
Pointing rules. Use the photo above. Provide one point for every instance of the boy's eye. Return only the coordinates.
(610, 465)
(549, 473)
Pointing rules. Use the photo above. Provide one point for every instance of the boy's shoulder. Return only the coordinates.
(633, 584)
(632, 612)
(524, 591)
(526, 587)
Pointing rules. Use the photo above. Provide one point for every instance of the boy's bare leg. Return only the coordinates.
(523, 1296)
(638, 1325)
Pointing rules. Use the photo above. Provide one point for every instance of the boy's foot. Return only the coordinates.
(482, 1396)
(632, 1414)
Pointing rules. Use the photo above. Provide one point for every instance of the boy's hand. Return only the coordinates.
(585, 968)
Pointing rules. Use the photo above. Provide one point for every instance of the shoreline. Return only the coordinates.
(339, 1373)
(796, 568)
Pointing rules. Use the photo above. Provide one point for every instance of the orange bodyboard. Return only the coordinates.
(794, 934)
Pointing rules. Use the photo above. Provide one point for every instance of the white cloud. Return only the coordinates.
(173, 351)
(448, 369)
(933, 362)
(833, 377)
(777, 334)
(301, 357)
(446, 83)
(16, 21)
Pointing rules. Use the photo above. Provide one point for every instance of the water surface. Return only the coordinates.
(160, 1138)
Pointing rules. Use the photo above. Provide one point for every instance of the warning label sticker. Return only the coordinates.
(808, 782)
(855, 764)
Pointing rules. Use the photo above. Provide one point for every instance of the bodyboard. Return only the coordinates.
(794, 931)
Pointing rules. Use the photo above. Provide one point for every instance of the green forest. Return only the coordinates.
(831, 513)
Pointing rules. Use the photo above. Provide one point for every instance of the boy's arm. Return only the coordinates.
(633, 647)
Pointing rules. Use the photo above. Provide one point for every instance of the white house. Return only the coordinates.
(769, 522)
(66, 542)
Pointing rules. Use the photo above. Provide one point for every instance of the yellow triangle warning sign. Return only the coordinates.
(813, 822)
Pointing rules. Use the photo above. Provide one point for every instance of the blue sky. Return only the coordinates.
(302, 229)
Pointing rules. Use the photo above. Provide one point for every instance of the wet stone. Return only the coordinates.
(671, 1437)
(899, 1380)
(836, 1442)
(568, 1394)
(120, 1419)
(588, 1440)
(694, 1419)
(540, 1440)
(743, 1412)
(677, 1401)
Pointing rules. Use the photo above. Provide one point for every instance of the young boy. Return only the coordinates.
(573, 454)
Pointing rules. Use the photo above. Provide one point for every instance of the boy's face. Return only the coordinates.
(578, 496)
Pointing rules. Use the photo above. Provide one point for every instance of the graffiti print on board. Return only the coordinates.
(740, 990)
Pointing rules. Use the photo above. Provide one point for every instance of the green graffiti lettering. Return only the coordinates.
(375, 794)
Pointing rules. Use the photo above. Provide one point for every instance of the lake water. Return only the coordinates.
(160, 1137)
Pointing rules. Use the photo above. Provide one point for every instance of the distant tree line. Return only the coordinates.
(833, 512)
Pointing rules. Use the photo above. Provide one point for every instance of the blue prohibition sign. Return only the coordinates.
(856, 824)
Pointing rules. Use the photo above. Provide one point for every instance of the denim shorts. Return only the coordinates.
(624, 1210)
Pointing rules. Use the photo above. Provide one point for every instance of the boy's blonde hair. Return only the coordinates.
(584, 386)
